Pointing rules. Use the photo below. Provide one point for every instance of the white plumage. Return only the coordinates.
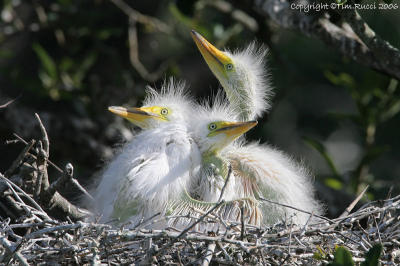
(259, 170)
(154, 167)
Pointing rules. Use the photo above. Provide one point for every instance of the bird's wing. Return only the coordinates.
(268, 173)
(161, 177)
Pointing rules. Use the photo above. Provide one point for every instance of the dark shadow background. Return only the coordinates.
(69, 60)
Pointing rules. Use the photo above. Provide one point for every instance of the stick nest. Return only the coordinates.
(39, 226)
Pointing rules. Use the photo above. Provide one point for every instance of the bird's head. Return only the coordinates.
(213, 126)
(143, 117)
(171, 104)
(242, 74)
(217, 135)
(221, 63)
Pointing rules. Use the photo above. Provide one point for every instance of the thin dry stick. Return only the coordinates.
(17, 162)
(9, 102)
(73, 180)
(351, 206)
(242, 228)
(225, 184)
(26, 143)
(45, 137)
(143, 19)
(170, 244)
(209, 254)
(37, 206)
(297, 209)
(10, 249)
(211, 246)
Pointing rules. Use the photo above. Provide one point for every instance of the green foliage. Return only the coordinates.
(342, 257)
(321, 149)
(375, 106)
(372, 256)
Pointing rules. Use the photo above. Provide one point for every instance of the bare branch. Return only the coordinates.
(366, 48)
(353, 204)
(143, 19)
(9, 102)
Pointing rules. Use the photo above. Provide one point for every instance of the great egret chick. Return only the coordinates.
(154, 168)
(144, 117)
(264, 171)
(242, 74)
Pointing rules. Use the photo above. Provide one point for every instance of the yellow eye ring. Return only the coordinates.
(212, 126)
(164, 111)
(229, 67)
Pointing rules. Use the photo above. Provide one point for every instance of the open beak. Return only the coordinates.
(235, 129)
(214, 58)
(138, 116)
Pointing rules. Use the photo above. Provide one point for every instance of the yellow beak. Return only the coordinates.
(138, 116)
(234, 129)
(214, 58)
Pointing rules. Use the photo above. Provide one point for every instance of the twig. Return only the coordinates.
(297, 209)
(189, 228)
(9, 102)
(134, 55)
(5, 243)
(10, 183)
(226, 183)
(45, 138)
(60, 182)
(242, 228)
(209, 254)
(139, 17)
(26, 143)
(18, 161)
(354, 203)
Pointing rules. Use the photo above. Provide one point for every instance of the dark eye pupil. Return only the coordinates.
(229, 66)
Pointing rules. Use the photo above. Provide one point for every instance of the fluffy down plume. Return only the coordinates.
(272, 175)
(154, 167)
(256, 91)
(173, 94)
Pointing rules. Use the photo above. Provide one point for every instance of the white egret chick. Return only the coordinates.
(155, 166)
(264, 171)
(242, 75)
(214, 131)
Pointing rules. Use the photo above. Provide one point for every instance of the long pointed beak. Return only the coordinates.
(135, 115)
(214, 58)
(236, 129)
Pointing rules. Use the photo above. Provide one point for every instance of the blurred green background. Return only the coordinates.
(69, 60)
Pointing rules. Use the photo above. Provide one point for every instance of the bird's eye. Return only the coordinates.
(229, 66)
(164, 111)
(212, 126)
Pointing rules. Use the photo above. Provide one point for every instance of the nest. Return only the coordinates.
(40, 226)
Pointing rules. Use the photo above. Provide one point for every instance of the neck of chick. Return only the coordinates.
(242, 97)
(213, 174)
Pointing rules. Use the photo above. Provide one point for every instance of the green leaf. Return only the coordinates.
(372, 256)
(391, 111)
(333, 183)
(342, 257)
(48, 63)
(342, 79)
(321, 149)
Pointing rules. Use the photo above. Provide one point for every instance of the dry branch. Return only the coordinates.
(352, 36)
